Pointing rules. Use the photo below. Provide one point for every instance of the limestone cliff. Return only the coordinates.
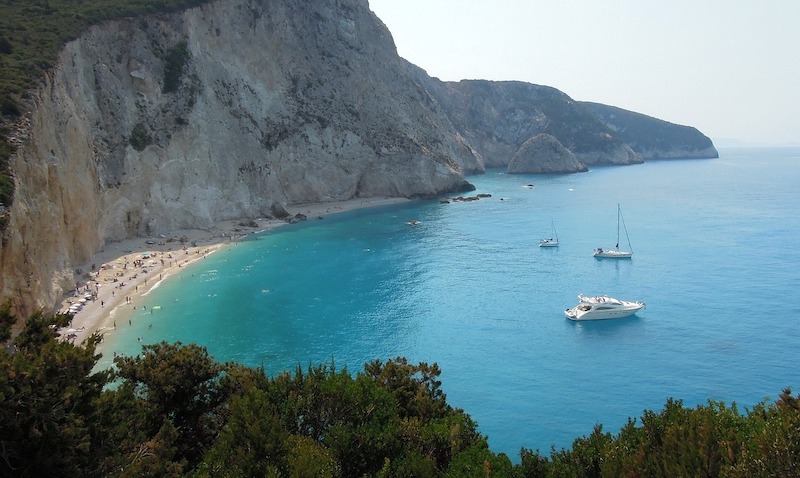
(178, 121)
(653, 138)
(238, 107)
(497, 118)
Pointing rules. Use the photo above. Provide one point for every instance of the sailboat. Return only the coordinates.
(553, 240)
(616, 253)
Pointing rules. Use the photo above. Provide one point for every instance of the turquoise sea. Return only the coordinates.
(716, 259)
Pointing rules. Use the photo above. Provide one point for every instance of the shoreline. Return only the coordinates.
(123, 272)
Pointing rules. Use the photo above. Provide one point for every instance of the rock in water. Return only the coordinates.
(544, 154)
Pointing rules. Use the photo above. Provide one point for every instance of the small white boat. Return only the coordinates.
(616, 253)
(602, 307)
(551, 241)
(612, 253)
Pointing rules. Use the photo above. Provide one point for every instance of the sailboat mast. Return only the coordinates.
(630, 248)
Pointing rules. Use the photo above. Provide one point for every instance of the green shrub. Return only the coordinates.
(140, 139)
(5, 46)
(175, 411)
(174, 64)
(9, 107)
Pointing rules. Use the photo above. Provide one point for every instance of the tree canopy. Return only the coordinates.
(174, 411)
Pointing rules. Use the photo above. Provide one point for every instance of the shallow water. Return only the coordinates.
(715, 260)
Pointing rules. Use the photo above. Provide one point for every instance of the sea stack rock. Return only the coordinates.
(544, 154)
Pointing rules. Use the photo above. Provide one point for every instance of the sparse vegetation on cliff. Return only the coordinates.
(32, 33)
(139, 138)
(6, 176)
(174, 63)
(652, 137)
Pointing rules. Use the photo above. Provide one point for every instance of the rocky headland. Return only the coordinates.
(544, 154)
(652, 138)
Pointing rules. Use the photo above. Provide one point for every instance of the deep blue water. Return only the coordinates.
(716, 259)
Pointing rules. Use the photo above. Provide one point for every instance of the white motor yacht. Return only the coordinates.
(602, 307)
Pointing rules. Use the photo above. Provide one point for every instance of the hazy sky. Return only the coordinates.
(730, 68)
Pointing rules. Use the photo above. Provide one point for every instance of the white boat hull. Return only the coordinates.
(602, 308)
(612, 254)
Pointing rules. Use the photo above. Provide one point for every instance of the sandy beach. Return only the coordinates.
(117, 277)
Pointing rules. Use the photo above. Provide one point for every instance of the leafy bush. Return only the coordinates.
(174, 411)
(6, 178)
(9, 107)
(139, 138)
(174, 63)
(5, 46)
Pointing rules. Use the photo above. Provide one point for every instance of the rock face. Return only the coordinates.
(178, 121)
(237, 108)
(497, 118)
(652, 138)
(544, 154)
